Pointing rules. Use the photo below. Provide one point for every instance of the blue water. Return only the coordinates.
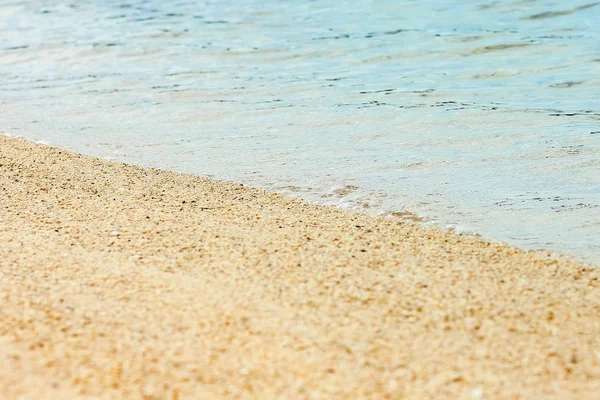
(483, 117)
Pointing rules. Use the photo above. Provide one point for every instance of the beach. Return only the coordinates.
(485, 123)
(119, 281)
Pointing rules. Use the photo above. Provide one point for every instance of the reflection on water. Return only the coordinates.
(482, 116)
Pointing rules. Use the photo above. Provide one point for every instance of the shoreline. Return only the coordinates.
(132, 282)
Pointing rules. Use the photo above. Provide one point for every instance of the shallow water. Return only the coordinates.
(479, 116)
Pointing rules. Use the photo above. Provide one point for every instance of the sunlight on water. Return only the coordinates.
(479, 116)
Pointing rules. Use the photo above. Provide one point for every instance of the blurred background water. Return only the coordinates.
(479, 116)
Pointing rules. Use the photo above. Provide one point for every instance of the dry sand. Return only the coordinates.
(124, 282)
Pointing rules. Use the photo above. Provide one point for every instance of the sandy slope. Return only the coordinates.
(124, 282)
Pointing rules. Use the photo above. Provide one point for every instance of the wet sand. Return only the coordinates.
(125, 282)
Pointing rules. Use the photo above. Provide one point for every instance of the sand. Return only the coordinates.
(118, 281)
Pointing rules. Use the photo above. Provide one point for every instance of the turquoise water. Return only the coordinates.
(478, 116)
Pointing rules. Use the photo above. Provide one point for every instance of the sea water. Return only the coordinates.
(479, 116)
